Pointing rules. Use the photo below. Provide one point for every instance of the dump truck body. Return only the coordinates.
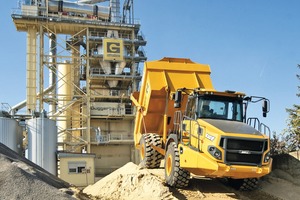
(198, 130)
(160, 79)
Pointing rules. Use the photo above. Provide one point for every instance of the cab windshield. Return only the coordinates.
(216, 107)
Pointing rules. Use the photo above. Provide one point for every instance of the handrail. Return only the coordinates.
(254, 122)
(177, 121)
(261, 127)
(5, 107)
(102, 139)
(266, 129)
(43, 14)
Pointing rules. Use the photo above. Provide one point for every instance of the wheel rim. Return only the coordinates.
(169, 165)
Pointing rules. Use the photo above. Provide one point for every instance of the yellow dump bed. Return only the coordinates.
(161, 79)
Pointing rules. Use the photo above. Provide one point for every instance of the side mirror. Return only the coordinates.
(177, 100)
(265, 107)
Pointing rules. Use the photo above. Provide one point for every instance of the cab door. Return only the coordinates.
(190, 125)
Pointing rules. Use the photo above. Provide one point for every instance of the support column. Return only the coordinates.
(88, 92)
(31, 70)
(75, 109)
(76, 66)
(134, 85)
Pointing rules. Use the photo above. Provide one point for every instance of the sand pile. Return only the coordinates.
(130, 182)
(284, 180)
(22, 179)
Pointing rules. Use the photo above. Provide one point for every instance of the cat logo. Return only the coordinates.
(113, 49)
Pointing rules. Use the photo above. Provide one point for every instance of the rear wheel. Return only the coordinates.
(150, 157)
(247, 184)
(174, 175)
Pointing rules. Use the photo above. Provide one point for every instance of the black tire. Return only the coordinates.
(150, 158)
(174, 175)
(247, 184)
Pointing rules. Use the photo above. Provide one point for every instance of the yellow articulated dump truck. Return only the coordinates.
(197, 130)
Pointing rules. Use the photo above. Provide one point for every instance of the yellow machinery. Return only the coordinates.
(180, 117)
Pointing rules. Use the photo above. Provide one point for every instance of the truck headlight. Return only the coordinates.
(215, 152)
(267, 157)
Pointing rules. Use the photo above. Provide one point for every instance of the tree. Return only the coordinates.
(278, 144)
(293, 127)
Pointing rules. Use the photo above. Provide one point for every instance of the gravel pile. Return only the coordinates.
(22, 179)
(128, 183)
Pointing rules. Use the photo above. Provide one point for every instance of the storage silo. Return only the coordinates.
(10, 133)
(42, 141)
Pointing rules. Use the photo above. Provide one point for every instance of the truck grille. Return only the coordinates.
(243, 151)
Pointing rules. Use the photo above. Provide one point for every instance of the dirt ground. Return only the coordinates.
(133, 182)
(22, 179)
(271, 188)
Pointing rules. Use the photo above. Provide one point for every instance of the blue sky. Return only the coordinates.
(252, 46)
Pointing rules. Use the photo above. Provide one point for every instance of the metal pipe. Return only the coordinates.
(115, 11)
(52, 71)
(23, 103)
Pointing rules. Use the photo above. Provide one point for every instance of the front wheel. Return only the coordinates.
(174, 175)
(247, 184)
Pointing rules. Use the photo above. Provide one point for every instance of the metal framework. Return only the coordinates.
(66, 73)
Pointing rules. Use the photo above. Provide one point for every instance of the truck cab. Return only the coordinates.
(208, 105)
(215, 139)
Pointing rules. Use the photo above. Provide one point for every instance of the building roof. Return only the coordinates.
(75, 155)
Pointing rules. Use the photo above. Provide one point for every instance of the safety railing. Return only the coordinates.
(111, 111)
(261, 127)
(34, 11)
(141, 52)
(98, 35)
(96, 72)
(5, 107)
(102, 139)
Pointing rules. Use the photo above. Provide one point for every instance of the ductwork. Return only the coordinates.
(115, 11)
(82, 9)
(91, 1)
(23, 103)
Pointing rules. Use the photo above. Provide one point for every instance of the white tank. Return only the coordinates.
(42, 141)
(11, 134)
